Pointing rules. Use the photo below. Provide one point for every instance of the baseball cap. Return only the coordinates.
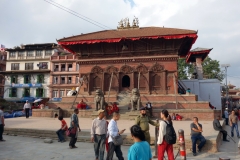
(100, 111)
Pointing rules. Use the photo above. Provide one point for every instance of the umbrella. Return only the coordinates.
(37, 100)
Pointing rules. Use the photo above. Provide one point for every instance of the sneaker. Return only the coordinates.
(70, 147)
(225, 140)
(75, 147)
(194, 154)
(2, 140)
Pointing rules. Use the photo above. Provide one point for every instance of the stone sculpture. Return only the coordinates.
(99, 100)
(135, 99)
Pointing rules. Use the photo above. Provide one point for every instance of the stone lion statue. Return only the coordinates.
(135, 99)
(99, 100)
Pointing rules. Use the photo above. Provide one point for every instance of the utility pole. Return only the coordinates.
(226, 66)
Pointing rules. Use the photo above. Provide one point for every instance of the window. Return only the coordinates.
(69, 80)
(39, 92)
(40, 78)
(55, 80)
(77, 67)
(43, 65)
(30, 54)
(70, 67)
(20, 54)
(62, 80)
(62, 93)
(28, 66)
(26, 92)
(15, 66)
(27, 79)
(12, 54)
(48, 53)
(38, 53)
(55, 94)
(1, 80)
(56, 67)
(14, 79)
(62, 67)
(12, 92)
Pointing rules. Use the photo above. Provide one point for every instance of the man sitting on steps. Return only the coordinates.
(217, 126)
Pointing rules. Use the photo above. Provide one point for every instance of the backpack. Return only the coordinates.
(170, 136)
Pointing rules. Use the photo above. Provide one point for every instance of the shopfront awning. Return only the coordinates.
(29, 99)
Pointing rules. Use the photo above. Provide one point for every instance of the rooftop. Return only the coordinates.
(203, 52)
(144, 32)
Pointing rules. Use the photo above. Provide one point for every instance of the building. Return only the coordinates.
(3, 56)
(28, 71)
(64, 74)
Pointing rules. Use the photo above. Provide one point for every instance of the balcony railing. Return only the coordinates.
(68, 57)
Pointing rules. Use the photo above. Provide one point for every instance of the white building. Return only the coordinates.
(28, 71)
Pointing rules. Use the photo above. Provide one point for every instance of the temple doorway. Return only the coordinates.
(125, 81)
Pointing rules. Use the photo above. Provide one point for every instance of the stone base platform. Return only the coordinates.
(187, 114)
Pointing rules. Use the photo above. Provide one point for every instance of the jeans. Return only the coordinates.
(27, 112)
(226, 121)
(224, 134)
(165, 147)
(194, 142)
(1, 131)
(73, 140)
(234, 125)
(99, 146)
(117, 150)
(60, 134)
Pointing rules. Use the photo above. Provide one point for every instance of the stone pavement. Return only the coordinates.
(25, 148)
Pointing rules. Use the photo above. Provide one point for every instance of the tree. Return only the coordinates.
(211, 69)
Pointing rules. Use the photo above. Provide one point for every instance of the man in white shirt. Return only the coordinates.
(226, 115)
(98, 134)
(27, 108)
(2, 124)
(113, 132)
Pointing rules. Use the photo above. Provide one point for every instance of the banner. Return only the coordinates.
(28, 85)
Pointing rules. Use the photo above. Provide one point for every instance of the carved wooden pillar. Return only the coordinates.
(103, 80)
(164, 81)
(132, 81)
(119, 82)
(89, 83)
(149, 82)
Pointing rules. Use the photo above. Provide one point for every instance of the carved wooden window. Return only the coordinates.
(156, 81)
(96, 83)
(142, 83)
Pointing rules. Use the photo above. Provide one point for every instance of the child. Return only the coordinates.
(173, 116)
(62, 130)
(178, 117)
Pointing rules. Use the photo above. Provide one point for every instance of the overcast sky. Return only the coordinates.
(217, 22)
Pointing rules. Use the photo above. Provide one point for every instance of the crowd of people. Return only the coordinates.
(107, 135)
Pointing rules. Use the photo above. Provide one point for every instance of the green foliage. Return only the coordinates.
(211, 69)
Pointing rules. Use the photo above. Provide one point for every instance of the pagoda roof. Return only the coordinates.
(230, 85)
(145, 32)
(197, 52)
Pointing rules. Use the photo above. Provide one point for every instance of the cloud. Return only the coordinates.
(217, 22)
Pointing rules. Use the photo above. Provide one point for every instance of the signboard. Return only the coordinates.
(27, 85)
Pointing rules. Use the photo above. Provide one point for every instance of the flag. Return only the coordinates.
(2, 47)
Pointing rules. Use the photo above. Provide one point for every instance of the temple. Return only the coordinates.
(117, 61)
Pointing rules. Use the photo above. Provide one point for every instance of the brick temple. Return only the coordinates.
(133, 57)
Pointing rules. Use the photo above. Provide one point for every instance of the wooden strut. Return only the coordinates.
(80, 84)
(138, 80)
(175, 89)
(110, 85)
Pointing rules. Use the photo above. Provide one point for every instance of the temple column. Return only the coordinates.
(148, 79)
(103, 80)
(199, 67)
(164, 81)
(132, 81)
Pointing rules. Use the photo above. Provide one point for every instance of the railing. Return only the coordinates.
(181, 87)
(66, 57)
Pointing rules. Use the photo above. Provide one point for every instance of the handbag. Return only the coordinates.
(71, 131)
(118, 140)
